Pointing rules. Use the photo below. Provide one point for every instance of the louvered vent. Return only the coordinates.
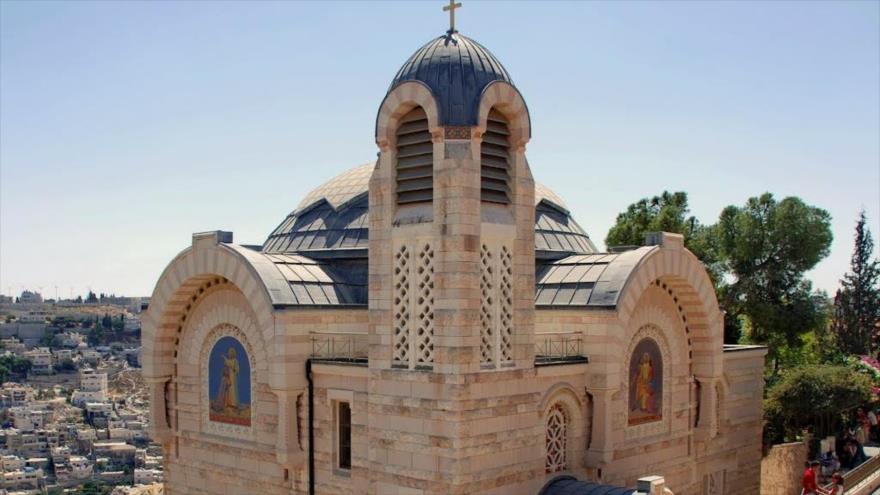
(495, 158)
(415, 159)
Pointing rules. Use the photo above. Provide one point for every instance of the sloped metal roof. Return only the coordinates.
(295, 280)
(333, 221)
(324, 283)
(594, 280)
(569, 485)
(556, 233)
(322, 227)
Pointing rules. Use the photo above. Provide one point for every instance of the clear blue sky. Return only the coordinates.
(126, 126)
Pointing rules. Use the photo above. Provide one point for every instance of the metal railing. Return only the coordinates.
(558, 346)
(354, 347)
(340, 346)
(853, 479)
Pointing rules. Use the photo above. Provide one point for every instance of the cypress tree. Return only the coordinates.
(857, 302)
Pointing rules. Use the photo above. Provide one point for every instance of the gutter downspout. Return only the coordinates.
(311, 426)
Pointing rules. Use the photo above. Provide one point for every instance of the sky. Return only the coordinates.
(127, 126)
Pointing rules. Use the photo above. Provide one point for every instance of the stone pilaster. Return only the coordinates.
(160, 430)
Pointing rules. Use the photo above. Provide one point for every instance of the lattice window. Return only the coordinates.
(505, 306)
(496, 306)
(401, 341)
(413, 306)
(495, 160)
(415, 159)
(487, 317)
(556, 430)
(424, 332)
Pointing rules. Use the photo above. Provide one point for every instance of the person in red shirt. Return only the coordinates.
(808, 483)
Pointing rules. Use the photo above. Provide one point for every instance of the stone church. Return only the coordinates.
(436, 322)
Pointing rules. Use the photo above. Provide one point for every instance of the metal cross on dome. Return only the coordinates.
(451, 9)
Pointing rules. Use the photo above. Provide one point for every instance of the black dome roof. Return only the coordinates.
(457, 69)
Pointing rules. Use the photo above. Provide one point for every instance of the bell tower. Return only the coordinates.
(452, 268)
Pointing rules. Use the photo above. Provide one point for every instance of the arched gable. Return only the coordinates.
(187, 277)
(506, 99)
(683, 275)
(397, 103)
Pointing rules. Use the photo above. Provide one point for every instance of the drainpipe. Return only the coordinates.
(311, 426)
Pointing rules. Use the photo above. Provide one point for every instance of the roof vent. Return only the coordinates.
(415, 159)
(495, 160)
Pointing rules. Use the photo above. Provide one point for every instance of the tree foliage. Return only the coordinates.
(756, 254)
(94, 488)
(806, 395)
(857, 302)
(67, 365)
(95, 335)
(767, 246)
(16, 364)
(667, 212)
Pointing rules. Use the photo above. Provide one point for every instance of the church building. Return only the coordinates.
(436, 322)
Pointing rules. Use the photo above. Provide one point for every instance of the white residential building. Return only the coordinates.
(60, 355)
(13, 395)
(147, 476)
(92, 388)
(41, 358)
(23, 478)
(11, 463)
(28, 418)
(13, 345)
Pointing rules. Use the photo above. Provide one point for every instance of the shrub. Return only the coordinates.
(812, 397)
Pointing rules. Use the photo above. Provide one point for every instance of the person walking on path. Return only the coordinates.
(863, 425)
(808, 482)
(872, 419)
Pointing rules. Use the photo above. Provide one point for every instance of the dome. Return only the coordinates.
(332, 221)
(456, 69)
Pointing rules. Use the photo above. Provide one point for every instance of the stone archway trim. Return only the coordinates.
(251, 272)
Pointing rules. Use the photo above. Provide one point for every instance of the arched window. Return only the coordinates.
(556, 431)
(415, 159)
(495, 160)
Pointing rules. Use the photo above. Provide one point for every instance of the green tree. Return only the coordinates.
(48, 339)
(807, 396)
(119, 324)
(857, 302)
(95, 336)
(94, 488)
(667, 212)
(67, 365)
(766, 246)
(4, 372)
(16, 364)
(755, 254)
